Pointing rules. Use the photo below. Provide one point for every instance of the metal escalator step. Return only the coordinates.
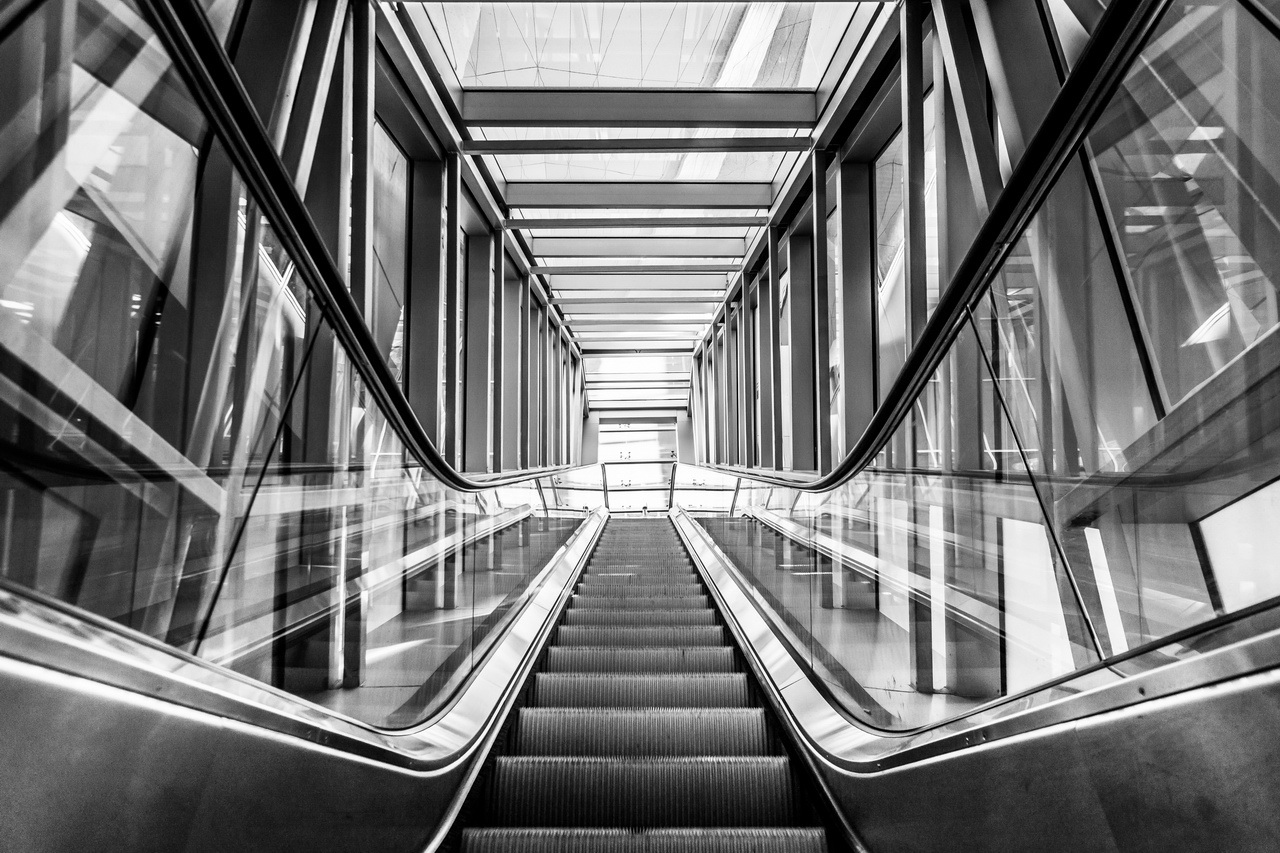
(648, 792)
(671, 635)
(626, 578)
(491, 840)
(647, 732)
(648, 602)
(637, 660)
(618, 616)
(648, 564)
(606, 690)
(590, 587)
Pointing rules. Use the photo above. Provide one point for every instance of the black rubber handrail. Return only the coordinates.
(216, 87)
(1120, 35)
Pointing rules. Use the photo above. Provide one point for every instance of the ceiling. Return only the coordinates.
(639, 148)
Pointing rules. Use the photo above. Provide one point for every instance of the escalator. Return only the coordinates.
(642, 732)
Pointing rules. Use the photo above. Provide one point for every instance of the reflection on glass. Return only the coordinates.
(1190, 170)
(186, 447)
(1043, 507)
(890, 230)
(390, 175)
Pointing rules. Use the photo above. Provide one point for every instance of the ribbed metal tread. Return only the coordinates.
(646, 732)
(638, 618)
(640, 567)
(640, 577)
(662, 659)
(675, 588)
(651, 602)
(648, 792)
(602, 690)
(671, 635)
(646, 841)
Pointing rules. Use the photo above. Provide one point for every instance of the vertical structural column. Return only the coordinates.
(448, 307)
(721, 368)
(696, 397)
(512, 422)
(819, 162)
(526, 372)
(913, 215)
(747, 366)
(549, 390)
(540, 410)
(768, 357)
(497, 421)
(804, 384)
(423, 302)
(733, 389)
(356, 124)
(915, 281)
(478, 343)
(859, 303)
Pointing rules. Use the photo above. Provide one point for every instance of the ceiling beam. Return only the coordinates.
(639, 194)
(643, 247)
(632, 297)
(566, 284)
(599, 107)
(689, 338)
(638, 222)
(642, 348)
(653, 309)
(638, 383)
(663, 145)
(645, 404)
(633, 268)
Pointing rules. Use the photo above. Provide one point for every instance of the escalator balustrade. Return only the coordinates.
(642, 733)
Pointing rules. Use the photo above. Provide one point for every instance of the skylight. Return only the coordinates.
(661, 45)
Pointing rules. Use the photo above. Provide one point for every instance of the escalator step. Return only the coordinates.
(644, 567)
(649, 602)
(648, 732)
(672, 635)
(687, 690)
(655, 660)
(655, 618)
(625, 578)
(648, 841)
(651, 792)
(597, 588)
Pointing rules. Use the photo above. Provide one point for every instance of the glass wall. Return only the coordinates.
(187, 448)
(1089, 476)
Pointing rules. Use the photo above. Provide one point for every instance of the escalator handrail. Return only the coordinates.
(215, 85)
(1120, 35)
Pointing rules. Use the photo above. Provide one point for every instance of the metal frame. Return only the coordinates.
(602, 107)
(1120, 35)
(218, 90)
(613, 195)
(651, 145)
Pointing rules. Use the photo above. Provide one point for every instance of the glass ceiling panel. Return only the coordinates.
(697, 45)
(638, 366)
(626, 165)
